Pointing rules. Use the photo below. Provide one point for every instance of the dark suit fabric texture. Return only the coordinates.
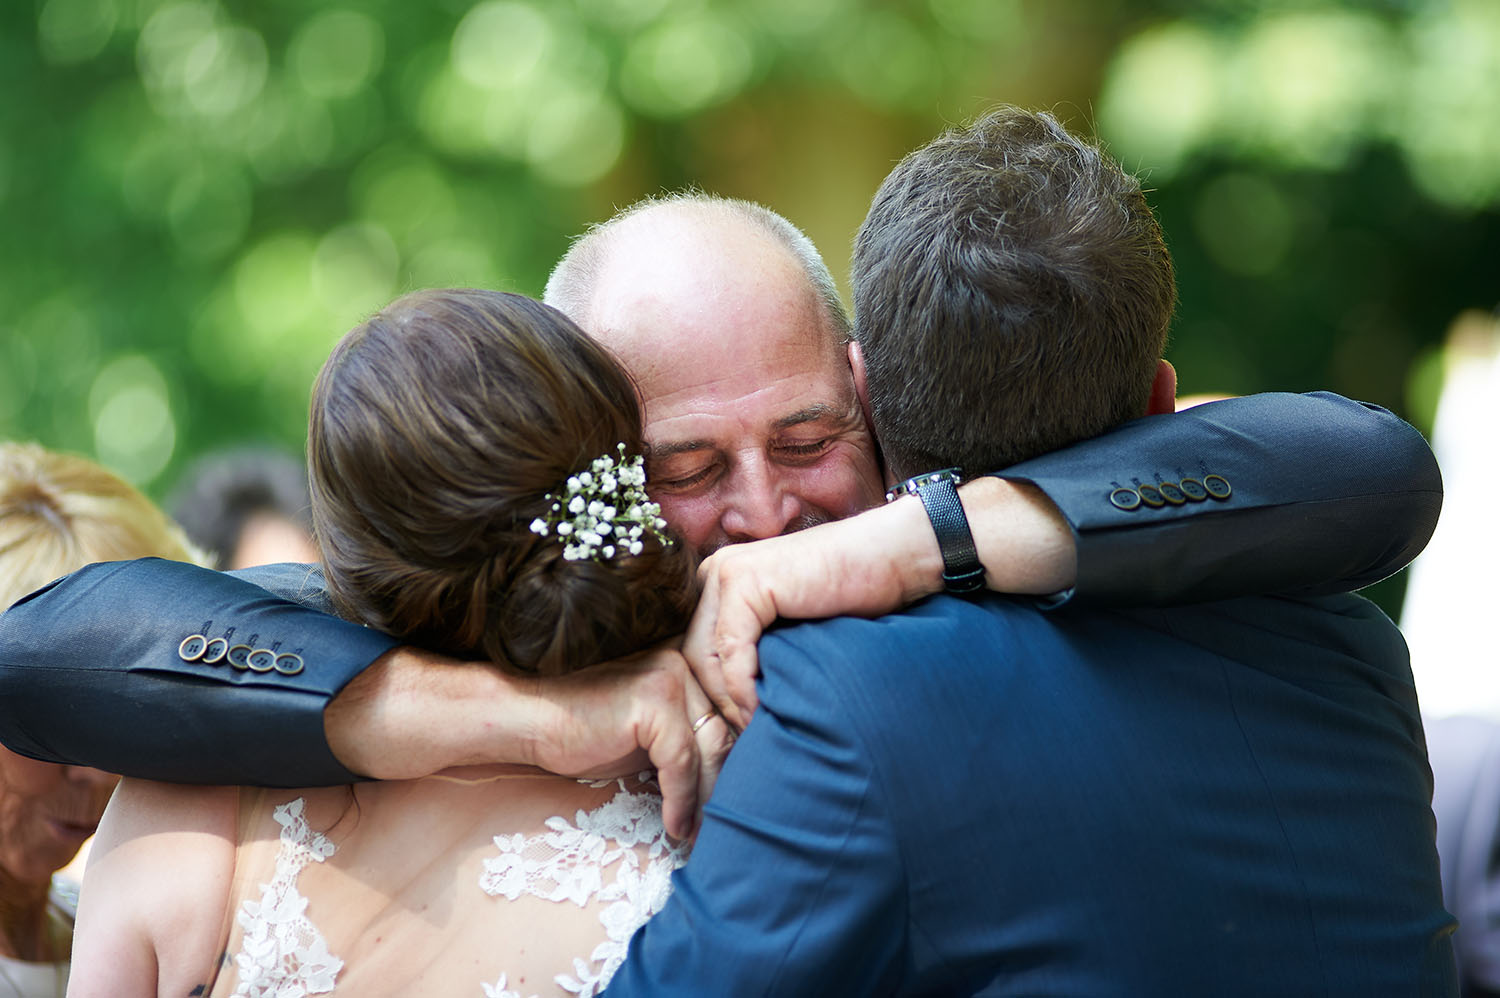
(105, 684)
(1230, 799)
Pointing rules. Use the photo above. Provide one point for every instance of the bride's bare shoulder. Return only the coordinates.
(141, 807)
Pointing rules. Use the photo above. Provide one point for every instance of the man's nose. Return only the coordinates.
(759, 504)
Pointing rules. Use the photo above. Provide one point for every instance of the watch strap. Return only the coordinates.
(962, 570)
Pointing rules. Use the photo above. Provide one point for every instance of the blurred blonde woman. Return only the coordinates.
(57, 513)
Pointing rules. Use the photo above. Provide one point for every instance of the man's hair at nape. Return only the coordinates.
(1012, 292)
(573, 282)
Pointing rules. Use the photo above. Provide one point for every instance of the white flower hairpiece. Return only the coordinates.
(605, 511)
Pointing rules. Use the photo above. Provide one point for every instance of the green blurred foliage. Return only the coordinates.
(200, 196)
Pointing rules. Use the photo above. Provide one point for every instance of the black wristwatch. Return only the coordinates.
(938, 490)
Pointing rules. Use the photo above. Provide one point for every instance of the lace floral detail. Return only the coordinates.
(282, 954)
(568, 863)
(498, 990)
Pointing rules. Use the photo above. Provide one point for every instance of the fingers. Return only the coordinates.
(620, 717)
(699, 645)
(736, 635)
(673, 748)
(677, 773)
(737, 605)
(715, 739)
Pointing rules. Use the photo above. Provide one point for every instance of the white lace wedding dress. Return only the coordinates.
(506, 886)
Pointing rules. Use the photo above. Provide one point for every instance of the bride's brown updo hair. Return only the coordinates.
(437, 428)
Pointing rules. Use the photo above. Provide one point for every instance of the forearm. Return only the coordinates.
(888, 557)
(1022, 539)
(414, 712)
(879, 561)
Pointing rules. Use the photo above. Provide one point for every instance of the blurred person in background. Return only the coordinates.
(57, 513)
(246, 507)
(1445, 617)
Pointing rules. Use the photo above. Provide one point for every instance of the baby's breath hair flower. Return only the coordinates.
(603, 511)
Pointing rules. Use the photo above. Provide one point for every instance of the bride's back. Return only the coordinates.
(481, 882)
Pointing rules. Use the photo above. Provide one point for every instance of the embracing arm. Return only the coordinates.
(1310, 494)
(1324, 494)
(93, 672)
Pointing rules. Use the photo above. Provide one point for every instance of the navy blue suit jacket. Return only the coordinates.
(1327, 494)
(982, 798)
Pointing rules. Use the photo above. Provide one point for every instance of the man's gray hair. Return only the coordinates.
(572, 284)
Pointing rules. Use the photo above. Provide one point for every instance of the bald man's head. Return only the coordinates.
(728, 320)
(573, 283)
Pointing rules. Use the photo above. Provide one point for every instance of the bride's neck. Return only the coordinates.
(24, 924)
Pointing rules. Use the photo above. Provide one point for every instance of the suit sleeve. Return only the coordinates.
(92, 672)
(1274, 493)
(796, 885)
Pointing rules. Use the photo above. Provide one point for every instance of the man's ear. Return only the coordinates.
(857, 366)
(1163, 390)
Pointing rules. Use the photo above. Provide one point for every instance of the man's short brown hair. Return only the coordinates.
(1012, 293)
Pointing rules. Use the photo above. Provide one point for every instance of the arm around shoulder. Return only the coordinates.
(101, 669)
(1272, 493)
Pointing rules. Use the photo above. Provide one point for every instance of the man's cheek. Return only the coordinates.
(841, 486)
(862, 462)
(692, 519)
